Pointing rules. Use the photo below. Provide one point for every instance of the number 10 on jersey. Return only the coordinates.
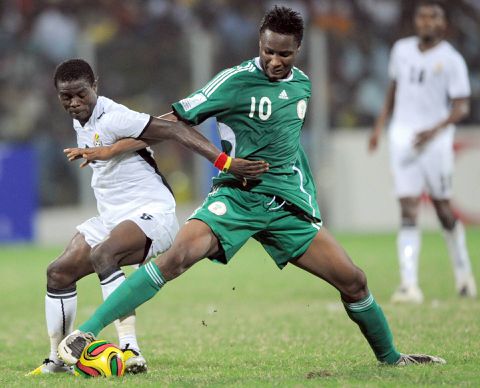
(264, 108)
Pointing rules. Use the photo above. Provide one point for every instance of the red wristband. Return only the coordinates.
(220, 161)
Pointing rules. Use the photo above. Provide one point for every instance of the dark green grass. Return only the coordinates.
(249, 324)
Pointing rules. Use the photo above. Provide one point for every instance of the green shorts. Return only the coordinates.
(234, 215)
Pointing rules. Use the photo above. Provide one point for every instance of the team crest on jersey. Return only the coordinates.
(217, 208)
(96, 140)
(438, 68)
(301, 109)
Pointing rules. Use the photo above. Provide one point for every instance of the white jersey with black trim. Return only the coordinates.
(426, 81)
(128, 181)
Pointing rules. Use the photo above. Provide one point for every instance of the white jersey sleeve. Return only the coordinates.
(458, 85)
(393, 63)
(122, 122)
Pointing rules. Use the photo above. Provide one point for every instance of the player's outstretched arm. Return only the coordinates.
(104, 152)
(108, 152)
(168, 127)
(165, 128)
(383, 117)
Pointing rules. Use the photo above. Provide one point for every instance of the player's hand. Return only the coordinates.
(248, 169)
(422, 138)
(74, 154)
(373, 141)
(89, 154)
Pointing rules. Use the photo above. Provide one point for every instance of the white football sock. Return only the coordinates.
(457, 248)
(60, 311)
(408, 247)
(126, 325)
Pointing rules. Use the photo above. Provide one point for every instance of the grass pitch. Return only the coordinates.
(250, 325)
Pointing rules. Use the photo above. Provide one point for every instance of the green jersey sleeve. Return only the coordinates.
(216, 98)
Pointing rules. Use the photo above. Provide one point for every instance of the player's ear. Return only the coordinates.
(95, 85)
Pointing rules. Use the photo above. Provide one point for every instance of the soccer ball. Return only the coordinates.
(100, 358)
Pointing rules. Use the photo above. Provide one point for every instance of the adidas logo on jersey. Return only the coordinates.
(283, 95)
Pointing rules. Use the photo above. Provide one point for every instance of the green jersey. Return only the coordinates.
(260, 120)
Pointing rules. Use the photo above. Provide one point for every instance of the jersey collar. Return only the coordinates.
(431, 49)
(259, 66)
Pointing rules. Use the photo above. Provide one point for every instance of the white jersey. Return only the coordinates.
(127, 182)
(425, 82)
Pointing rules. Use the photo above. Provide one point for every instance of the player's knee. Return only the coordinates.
(177, 265)
(408, 212)
(173, 263)
(446, 217)
(59, 277)
(409, 221)
(357, 289)
(409, 216)
(448, 222)
(102, 258)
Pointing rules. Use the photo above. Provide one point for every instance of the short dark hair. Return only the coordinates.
(427, 3)
(73, 69)
(283, 20)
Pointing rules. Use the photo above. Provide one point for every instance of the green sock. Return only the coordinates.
(368, 315)
(139, 287)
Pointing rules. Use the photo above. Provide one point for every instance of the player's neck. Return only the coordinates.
(427, 44)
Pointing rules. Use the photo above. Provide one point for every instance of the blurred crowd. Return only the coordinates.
(141, 50)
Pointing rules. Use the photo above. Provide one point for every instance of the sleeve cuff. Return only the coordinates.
(179, 117)
(145, 127)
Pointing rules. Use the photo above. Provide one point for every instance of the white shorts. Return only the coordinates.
(161, 228)
(429, 170)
